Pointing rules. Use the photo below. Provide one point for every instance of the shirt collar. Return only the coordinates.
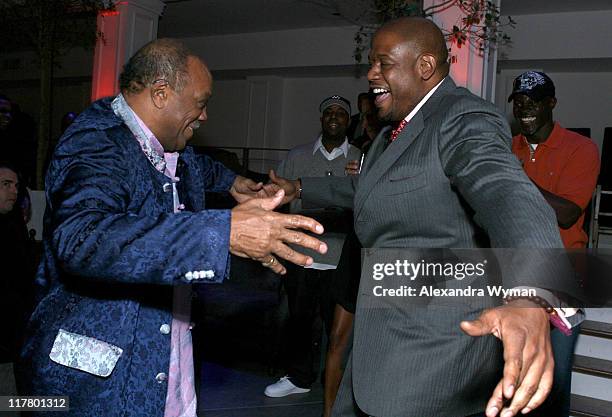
(340, 150)
(150, 136)
(422, 102)
(164, 162)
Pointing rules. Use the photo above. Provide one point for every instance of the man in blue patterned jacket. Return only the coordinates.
(127, 236)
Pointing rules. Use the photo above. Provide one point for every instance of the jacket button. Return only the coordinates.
(167, 187)
(161, 377)
(164, 329)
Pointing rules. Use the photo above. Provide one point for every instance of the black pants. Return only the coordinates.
(310, 300)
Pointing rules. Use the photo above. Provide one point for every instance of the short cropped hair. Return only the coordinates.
(162, 59)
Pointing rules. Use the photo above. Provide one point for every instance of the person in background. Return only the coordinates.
(18, 140)
(370, 123)
(356, 127)
(564, 166)
(17, 276)
(309, 289)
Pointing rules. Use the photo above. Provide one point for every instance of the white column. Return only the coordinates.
(130, 26)
(469, 67)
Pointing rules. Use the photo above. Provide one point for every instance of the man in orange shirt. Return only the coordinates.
(564, 166)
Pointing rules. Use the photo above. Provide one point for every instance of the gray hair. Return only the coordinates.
(162, 59)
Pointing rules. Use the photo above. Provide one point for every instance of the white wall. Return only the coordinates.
(302, 98)
(271, 86)
(561, 35)
(227, 118)
(297, 114)
(279, 49)
(226, 124)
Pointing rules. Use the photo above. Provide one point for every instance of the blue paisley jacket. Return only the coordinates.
(113, 249)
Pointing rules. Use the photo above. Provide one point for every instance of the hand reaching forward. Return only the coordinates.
(290, 187)
(259, 233)
(243, 189)
(528, 357)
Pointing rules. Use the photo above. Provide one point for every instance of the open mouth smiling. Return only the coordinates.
(381, 94)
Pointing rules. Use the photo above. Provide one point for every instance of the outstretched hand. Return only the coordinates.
(244, 189)
(528, 358)
(259, 233)
(290, 187)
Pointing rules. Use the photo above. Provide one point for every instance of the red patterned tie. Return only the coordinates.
(395, 133)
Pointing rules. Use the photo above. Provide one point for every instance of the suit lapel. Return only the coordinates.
(382, 159)
(386, 158)
(377, 148)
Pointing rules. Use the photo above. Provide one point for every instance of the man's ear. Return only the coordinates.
(552, 102)
(427, 66)
(159, 94)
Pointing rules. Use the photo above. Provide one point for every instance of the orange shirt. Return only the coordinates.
(567, 165)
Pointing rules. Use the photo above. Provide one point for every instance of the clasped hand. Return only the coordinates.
(259, 233)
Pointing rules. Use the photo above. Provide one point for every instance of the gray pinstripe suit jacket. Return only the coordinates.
(450, 173)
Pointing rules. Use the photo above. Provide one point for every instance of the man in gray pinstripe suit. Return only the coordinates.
(448, 174)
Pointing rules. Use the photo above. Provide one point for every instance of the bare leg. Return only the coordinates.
(338, 342)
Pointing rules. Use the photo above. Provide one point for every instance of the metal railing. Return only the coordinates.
(246, 158)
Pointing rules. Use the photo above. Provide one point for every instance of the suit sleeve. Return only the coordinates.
(477, 158)
(96, 234)
(283, 169)
(475, 153)
(330, 191)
